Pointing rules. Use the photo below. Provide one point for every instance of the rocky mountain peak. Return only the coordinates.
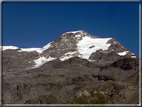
(76, 43)
(77, 35)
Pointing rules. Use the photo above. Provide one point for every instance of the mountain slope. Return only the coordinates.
(76, 68)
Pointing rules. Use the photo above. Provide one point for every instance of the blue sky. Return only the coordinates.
(29, 25)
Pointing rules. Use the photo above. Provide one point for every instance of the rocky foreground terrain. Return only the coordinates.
(76, 68)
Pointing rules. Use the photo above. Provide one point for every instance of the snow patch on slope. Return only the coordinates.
(68, 55)
(65, 57)
(39, 50)
(77, 36)
(86, 42)
(47, 46)
(74, 31)
(122, 53)
(133, 57)
(40, 61)
(9, 47)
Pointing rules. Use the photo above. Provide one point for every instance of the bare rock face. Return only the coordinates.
(104, 56)
(109, 75)
(16, 61)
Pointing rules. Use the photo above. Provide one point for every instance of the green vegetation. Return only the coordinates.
(95, 98)
(91, 96)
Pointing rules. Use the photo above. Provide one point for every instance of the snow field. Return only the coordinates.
(9, 47)
(122, 53)
(86, 42)
(39, 50)
(40, 61)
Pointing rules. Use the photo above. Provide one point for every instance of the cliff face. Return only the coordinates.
(77, 68)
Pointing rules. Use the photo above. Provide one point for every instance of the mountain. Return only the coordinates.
(76, 68)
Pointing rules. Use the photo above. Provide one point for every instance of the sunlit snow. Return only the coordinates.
(39, 50)
(70, 53)
(114, 42)
(78, 36)
(86, 42)
(133, 57)
(74, 31)
(132, 54)
(9, 47)
(67, 56)
(122, 53)
(40, 61)
(47, 46)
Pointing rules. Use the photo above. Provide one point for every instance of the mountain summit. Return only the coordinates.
(76, 68)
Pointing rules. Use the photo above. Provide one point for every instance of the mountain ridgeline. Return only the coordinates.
(76, 68)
